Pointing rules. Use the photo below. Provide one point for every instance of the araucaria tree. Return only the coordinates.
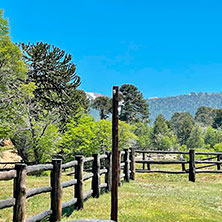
(134, 108)
(52, 102)
(103, 105)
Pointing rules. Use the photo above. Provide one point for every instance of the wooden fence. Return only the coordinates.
(21, 194)
(195, 166)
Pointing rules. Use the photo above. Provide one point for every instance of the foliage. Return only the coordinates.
(103, 104)
(143, 134)
(195, 139)
(134, 107)
(12, 76)
(218, 147)
(217, 122)
(126, 135)
(182, 124)
(86, 136)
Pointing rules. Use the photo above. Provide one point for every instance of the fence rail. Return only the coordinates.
(193, 164)
(22, 171)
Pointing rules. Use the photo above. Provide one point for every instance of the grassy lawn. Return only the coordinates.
(151, 198)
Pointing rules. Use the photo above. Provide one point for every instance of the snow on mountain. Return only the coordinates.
(92, 96)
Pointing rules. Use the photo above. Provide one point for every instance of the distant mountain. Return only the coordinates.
(182, 103)
(91, 96)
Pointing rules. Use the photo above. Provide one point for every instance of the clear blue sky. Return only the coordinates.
(163, 47)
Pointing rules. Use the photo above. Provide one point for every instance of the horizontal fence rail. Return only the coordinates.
(194, 166)
(101, 165)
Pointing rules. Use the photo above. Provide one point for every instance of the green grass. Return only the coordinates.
(151, 198)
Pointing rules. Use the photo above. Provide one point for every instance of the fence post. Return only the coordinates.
(218, 165)
(192, 165)
(78, 193)
(56, 193)
(19, 193)
(132, 164)
(148, 164)
(126, 167)
(96, 176)
(108, 175)
(144, 158)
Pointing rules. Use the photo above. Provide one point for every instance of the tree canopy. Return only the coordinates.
(134, 108)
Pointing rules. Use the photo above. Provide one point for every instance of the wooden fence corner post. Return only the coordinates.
(79, 185)
(56, 193)
(108, 175)
(96, 176)
(192, 165)
(132, 164)
(126, 167)
(19, 193)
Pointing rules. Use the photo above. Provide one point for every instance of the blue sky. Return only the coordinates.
(163, 47)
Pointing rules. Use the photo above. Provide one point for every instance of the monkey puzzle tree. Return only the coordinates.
(134, 108)
(103, 105)
(54, 100)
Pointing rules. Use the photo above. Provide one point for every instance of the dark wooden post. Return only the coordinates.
(218, 165)
(120, 159)
(144, 157)
(79, 185)
(148, 164)
(132, 164)
(108, 175)
(192, 165)
(126, 167)
(56, 193)
(96, 176)
(115, 155)
(19, 193)
(183, 167)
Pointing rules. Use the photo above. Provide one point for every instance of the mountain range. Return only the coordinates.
(181, 103)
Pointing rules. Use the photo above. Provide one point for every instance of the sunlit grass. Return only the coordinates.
(151, 198)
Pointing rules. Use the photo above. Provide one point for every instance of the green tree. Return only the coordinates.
(54, 99)
(182, 125)
(211, 137)
(12, 77)
(160, 125)
(204, 116)
(217, 122)
(134, 108)
(103, 104)
(143, 134)
(195, 139)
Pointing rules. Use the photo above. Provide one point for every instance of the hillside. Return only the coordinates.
(183, 103)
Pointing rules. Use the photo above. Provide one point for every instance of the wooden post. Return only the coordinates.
(218, 165)
(132, 164)
(96, 176)
(183, 167)
(126, 167)
(192, 165)
(115, 155)
(79, 185)
(56, 193)
(120, 159)
(108, 175)
(144, 158)
(19, 193)
(148, 164)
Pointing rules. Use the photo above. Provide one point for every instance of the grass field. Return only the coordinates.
(151, 198)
